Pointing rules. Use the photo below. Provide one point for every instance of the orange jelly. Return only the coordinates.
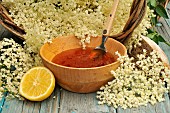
(80, 58)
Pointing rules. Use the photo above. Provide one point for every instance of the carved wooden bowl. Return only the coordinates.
(81, 80)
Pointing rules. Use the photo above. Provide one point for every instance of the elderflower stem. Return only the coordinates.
(136, 83)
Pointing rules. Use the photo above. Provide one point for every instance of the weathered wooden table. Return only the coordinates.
(62, 101)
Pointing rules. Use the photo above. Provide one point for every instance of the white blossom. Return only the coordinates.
(136, 83)
(15, 61)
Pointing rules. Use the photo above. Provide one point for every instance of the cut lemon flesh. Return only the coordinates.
(37, 84)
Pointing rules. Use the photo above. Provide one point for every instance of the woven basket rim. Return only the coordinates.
(137, 13)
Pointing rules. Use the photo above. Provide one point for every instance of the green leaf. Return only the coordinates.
(153, 3)
(154, 20)
(149, 5)
(167, 43)
(160, 38)
(161, 1)
(150, 31)
(151, 35)
(161, 11)
(155, 39)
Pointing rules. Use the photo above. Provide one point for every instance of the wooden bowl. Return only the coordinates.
(81, 80)
(153, 46)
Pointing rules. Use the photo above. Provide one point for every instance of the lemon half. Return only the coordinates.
(37, 84)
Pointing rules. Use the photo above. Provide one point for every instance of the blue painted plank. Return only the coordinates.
(2, 101)
(50, 105)
(12, 106)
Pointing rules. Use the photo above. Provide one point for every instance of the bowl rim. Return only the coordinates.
(74, 68)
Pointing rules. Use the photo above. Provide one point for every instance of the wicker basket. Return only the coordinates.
(137, 13)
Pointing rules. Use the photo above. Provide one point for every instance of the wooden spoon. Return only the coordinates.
(101, 50)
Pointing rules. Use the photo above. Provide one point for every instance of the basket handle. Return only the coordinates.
(7, 22)
(137, 12)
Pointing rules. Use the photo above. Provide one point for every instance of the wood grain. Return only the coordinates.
(164, 30)
(81, 103)
(161, 107)
(68, 102)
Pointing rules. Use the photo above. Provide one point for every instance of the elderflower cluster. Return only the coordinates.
(47, 19)
(14, 62)
(135, 39)
(136, 83)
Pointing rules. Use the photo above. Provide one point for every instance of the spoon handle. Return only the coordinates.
(109, 22)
